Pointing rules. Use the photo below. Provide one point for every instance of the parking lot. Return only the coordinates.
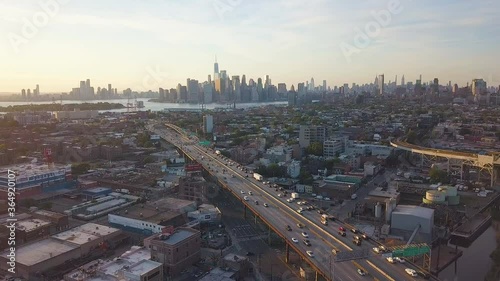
(244, 231)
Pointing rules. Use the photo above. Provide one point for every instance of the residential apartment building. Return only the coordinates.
(176, 251)
(334, 147)
(310, 134)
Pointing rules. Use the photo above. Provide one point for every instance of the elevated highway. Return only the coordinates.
(489, 162)
(333, 257)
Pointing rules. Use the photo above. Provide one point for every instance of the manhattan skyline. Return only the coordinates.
(291, 41)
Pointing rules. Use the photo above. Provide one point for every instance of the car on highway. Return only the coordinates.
(266, 205)
(376, 250)
(310, 253)
(361, 272)
(319, 212)
(279, 195)
(364, 236)
(342, 229)
(400, 260)
(299, 225)
(356, 242)
(288, 228)
(256, 202)
(354, 230)
(245, 198)
(242, 192)
(342, 233)
(305, 234)
(299, 211)
(249, 193)
(424, 274)
(307, 242)
(295, 240)
(390, 260)
(411, 272)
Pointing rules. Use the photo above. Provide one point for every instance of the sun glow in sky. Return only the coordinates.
(120, 42)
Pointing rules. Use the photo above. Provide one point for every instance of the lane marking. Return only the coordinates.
(380, 270)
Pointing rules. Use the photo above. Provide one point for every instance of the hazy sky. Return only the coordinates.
(151, 43)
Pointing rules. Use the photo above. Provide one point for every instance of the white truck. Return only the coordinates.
(324, 219)
(294, 195)
(258, 177)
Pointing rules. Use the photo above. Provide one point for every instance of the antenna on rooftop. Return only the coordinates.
(48, 157)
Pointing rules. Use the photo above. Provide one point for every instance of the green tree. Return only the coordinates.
(438, 175)
(149, 159)
(305, 177)
(315, 148)
(80, 168)
(411, 137)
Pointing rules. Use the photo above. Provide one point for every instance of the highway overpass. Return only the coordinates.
(489, 162)
(278, 214)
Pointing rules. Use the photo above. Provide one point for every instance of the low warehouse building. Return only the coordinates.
(407, 217)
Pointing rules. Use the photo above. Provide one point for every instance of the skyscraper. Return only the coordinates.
(403, 80)
(478, 87)
(193, 90)
(207, 93)
(301, 89)
(435, 86)
(324, 85)
(381, 84)
(216, 69)
(282, 88)
(236, 88)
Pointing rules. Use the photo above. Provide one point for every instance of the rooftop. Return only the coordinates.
(97, 190)
(414, 211)
(149, 213)
(173, 203)
(106, 205)
(31, 224)
(85, 233)
(218, 274)
(143, 267)
(179, 235)
(32, 169)
(49, 214)
(34, 253)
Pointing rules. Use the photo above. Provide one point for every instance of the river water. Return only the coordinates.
(153, 106)
(475, 262)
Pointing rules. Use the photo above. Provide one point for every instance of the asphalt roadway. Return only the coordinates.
(281, 214)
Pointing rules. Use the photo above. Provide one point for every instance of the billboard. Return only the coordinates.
(193, 167)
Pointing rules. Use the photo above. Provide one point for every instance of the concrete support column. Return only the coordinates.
(269, 236)
(287, 253)
(317, 276)
(493, 176)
